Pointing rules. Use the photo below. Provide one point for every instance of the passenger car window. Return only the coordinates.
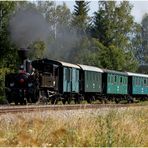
(137, 81)
(141, 81)
(112, 79)
(68, 74)
(115, 79)
(121, 80)
(145, 81)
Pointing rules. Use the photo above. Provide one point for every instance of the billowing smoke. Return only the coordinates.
(27, 26)
(64, 43)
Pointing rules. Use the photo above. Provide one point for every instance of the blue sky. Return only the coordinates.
(140, 7)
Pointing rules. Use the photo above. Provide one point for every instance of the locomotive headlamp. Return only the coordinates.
(11, 84)
(54, 83)
(30, 84)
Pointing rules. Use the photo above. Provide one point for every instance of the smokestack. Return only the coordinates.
(23, 54)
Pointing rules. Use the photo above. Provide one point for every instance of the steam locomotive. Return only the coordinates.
(51, 80)
(22, 86)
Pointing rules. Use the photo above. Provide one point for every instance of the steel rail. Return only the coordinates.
(30, 108)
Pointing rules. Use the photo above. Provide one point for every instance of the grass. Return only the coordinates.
(143, 102)
(82, 128)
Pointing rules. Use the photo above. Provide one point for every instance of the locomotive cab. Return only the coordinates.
(48, 76)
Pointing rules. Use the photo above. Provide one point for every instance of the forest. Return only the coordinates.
(109, 39)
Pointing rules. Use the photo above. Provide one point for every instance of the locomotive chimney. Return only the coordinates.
(23, 54)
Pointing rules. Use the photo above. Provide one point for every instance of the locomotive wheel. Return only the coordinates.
(117, 100)
(64, 101)
(54, 101)
(29, 100)
(130, 99)
(9, 100)
(21, 103)
(16, 102)
(69, 100)
(25, 102)
(89, 100)
(77, 101)
(34, 97)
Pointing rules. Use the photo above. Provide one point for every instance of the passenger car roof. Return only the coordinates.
(55, 62)
(69, 64)
(90, 68)
(115, 72)
(137, 74)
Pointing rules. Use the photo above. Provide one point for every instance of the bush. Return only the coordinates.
(3, 71)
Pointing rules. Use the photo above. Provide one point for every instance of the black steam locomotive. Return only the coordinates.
(22, 87)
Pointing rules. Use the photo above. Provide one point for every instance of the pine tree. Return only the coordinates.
(112, 27)
(112, 23)
(80, 16)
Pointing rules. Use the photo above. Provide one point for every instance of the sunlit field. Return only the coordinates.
(105, 127)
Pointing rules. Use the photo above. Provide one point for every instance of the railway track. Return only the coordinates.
(31, 108)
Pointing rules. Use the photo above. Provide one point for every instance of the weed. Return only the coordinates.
(82, 128)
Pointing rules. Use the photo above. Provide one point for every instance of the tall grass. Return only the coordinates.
(105, 127)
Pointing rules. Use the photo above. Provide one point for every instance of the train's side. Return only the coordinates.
(90, 82)
(53, 80)
(115, 85)
(138, 85)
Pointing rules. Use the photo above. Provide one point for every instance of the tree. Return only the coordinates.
(87, 52)
(112, 23)
(136, 43)
(7, 50)
(37, 50)
(145, 36)
(113, 27)
(95, 53)
(58, 16)
(116, 59)
(63, 37)
(80, 16)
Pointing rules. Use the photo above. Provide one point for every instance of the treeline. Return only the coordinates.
(108, 39)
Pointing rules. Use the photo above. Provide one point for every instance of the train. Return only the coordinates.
(46, 80)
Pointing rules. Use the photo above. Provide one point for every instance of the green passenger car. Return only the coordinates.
(138, 84)
(90, 79)
(115, 82)
(70, 78)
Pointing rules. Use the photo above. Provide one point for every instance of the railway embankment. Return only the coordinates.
(122, 126)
